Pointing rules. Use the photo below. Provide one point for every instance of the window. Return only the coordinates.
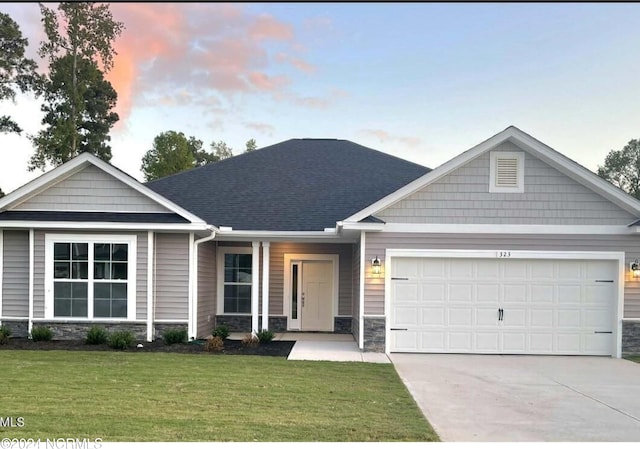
(506, 172)
(235, 280)
(90, 277)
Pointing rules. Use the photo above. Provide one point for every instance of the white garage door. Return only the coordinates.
(503, 306)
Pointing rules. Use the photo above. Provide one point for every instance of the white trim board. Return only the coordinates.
(453, 228)
(220, 253)
(1, 270)
(21, 224)
(527, 143)
(506, 255)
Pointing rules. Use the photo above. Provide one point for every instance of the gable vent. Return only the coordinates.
(507, 172)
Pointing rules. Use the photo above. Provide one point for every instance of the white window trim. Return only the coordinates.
(222, 251)
(493, 157)
(130, 240)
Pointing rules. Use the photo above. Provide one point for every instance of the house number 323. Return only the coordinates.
(504, 254)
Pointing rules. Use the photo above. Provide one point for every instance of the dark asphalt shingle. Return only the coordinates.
(295, 185)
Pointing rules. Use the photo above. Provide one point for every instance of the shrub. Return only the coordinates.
(121, 339)
(172, 336)
(250, 340)
(5, 333)
(221, 331)
(214, 344)
(41, 333)
(97, 335)
(265, 336)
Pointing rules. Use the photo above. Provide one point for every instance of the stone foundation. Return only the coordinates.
(235, 323)
(161, 328)
(342, 325)
(374, 334)
(278, 323)
(18, 328)
(630, 337)
(78, 331)
(355, 329)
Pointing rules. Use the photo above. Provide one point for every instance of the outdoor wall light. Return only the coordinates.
(375, 265)
(635, 268)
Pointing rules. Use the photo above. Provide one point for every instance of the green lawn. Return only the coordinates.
(633, 358)
(178, 397)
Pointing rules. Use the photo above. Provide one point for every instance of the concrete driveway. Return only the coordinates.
(525, 398)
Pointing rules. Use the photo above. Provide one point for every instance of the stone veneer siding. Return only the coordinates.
(161, 328)
(631, 337)
(342, 325)
(374, 333)
(78, 331)
(17, 328)
(242, 323)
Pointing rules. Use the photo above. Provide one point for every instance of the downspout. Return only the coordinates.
(193, 305)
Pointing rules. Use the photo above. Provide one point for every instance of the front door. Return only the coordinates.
(312, 295)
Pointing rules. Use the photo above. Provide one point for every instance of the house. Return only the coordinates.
(510, 247)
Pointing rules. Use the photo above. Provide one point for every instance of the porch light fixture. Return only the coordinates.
(635, 268)
(375, 265)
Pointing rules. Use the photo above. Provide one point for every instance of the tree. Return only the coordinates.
(1, 193)
(221, 150)
(622, 168)
(17, 73)
(201, 156)
(172, 152)
(250, 145)
(74, 127)
(79, 38)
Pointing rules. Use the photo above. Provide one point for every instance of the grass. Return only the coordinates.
(181, 397)
(633, 358)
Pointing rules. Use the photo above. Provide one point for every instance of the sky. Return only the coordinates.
(420, 81)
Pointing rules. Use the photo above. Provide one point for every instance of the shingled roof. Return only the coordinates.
(295, 185)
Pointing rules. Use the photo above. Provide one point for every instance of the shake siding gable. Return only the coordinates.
(549, 198)
(377, 243)
(15, 288)
(91, 189)
(171, 277)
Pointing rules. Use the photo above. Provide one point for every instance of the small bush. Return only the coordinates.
(97, 335)
(250, 340)
(265, 336)
(173, 336)
(221, 331)
(41, 333)
(5, 333)
(121, 339)
(214, 344)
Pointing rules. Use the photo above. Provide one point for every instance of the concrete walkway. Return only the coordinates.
(525, 398)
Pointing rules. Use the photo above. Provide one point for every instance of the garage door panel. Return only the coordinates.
(550, 306)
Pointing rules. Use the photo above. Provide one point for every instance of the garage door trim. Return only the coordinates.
(508, 254)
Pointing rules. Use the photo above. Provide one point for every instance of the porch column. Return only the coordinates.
(255, 290)
(265, 285)
(31, 267)
(150, 258)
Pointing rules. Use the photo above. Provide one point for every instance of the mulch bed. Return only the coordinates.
(232, 347)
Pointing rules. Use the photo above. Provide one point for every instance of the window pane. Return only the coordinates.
(101, 270)
(79, 290)
(101, 290)
(79, 307)
(118, 309)
(237, 298)
(61, 251)
(119, 270)
(119, 291)
(61, 307)
(80, 270)
(61, 270)
(237, 268)
(101, 308)
(120, 252)
(294, 293)
(80, 251)
(101, 251)
(61, 290)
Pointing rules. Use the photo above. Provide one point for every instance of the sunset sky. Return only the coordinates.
(420, 81)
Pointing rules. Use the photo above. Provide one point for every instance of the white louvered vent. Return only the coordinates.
(506, 172)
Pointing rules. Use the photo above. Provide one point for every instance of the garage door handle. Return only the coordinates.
(398, 329)
(399, 279)
(500, 314)
(603, 332)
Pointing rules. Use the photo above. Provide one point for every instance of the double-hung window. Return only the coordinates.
(235, 281)
(90, 277)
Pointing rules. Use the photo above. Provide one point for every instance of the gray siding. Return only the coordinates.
(39, 264)
(206, 288)
(549, 197)
(276, 269)
(378, 242)
(171, 277)
(91, 189)
(15, 274)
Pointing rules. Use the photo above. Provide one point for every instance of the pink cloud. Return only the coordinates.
(385, 137)
(263, 128)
